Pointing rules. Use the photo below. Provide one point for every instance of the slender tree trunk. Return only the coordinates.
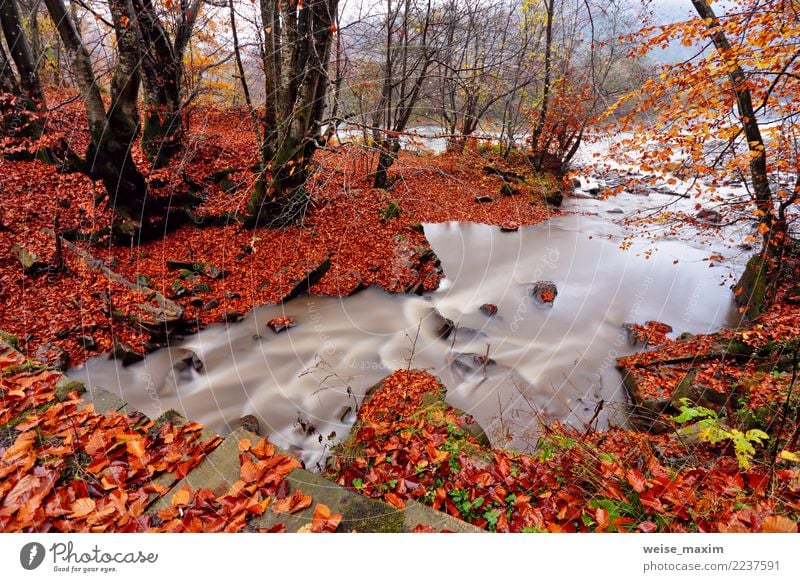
(23, 121)
(774, 232)
(538, 151)
(8, 81)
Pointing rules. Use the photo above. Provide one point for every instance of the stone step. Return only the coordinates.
(220, 469)
(360, 513)
(416, 513)
(168, 480)
(105, 401)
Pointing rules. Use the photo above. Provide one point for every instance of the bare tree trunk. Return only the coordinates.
(538, 151)
(296, 86)
(242, 77)
(8, 81)
(21, 53)
(162, 68)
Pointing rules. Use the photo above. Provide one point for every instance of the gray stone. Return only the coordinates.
(416, 514)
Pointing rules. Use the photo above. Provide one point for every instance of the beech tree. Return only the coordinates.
(161, 60)
(742, 88)
(113, 129)
(28, 87)
(297, 42)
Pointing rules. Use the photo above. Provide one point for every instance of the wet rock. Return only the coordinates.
(188, 270)
(576, 183)
(191, 360)
(125, 354)
(792, 295)
(197, 302)
(504, 174)
(649, 416)
(544, 293)
(30, 261)
(213, 304)
(52, 355)
(483, 199)
(688, 388)
(201, 288)
(87, 342)
(279, 324)
(710, 216)
(616, 211)
(179, 265)
(249, 423)
(232, 317)
(488, 309)
(508, 190)
(178, 289)
(142, 280)
(232, 295)
(596, 190)
(311, 276)
(509, 228)
(554, 198)
(444, 326)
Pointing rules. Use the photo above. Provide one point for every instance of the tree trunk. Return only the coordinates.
(388, 155)
(296, 86)
(162, 67)
(775, 230)
(24, 121)
(108, 156)
(538, 151)
(8, 81)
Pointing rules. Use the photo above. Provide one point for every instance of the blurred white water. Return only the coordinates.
(550, 363)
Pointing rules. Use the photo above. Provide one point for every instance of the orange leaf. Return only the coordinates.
(82, 507)
(244, 445)
(394, 500)
(636, 480)
(779, 524)
(135, 447)
(323, 520)
(182, 497)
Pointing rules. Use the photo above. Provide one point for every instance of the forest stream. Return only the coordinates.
(525, 364)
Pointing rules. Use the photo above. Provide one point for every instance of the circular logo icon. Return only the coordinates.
(31, 555)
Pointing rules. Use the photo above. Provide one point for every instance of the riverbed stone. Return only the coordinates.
(53, 355)
(489, 309)
(544, 293)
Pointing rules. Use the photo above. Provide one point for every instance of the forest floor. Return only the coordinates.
(716, 448)
(221, 270)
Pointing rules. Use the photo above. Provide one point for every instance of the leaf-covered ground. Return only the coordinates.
(409, 444)
(373, 237)
(65, 467)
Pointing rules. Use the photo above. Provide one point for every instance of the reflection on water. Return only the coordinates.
(522, 364)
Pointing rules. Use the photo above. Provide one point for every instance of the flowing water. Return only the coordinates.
(511, 371)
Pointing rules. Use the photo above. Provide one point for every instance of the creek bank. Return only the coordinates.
(116, 470)
(409, 446)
